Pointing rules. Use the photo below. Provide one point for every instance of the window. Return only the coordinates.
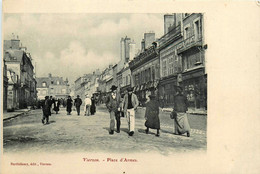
(149, 74)
(58, 82)
(171, 65)
(164, 68)
(63, 91)
(136, 80)
(52, 91)
(52, 82)
(186, 32)
(44, 84)
(153, 73)
(197, 28)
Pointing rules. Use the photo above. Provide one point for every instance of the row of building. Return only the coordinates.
(19, 83)
(175, 59)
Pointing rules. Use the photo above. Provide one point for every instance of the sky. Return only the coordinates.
(70, 45)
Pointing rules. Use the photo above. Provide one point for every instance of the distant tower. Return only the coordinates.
(125, 49)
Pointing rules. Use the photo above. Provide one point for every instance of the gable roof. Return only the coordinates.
(49, 80)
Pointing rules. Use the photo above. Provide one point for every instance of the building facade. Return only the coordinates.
(52, 86)
(145, 73)
(5, 86)
(182, 59)
(170, 61)
(192, 51)
(21, 71)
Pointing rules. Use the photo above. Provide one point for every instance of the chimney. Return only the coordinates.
(131, 50)
(142, 45)
(50, 75)
(168, 22)
(15, 44)
(149, 38)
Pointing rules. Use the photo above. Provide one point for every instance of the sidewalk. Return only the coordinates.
(16, 113)
(190, 111)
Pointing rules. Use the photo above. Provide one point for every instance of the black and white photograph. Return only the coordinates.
(108, 89)
(105, 82)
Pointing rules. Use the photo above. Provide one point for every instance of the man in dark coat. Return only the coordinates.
(46, 109)
(69, 105)
(152, 115)
(77, 104)
(93, 105)
(181, 124)
(113, 107)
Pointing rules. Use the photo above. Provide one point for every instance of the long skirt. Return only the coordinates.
(183, 125)
(92, 109)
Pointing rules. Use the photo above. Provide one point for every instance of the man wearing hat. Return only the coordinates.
(181, 123)
(87, 105)
(130, 103)
(46, 109)
(113, 108)
(77, 104)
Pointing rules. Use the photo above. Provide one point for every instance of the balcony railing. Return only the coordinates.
(149, 52)
(194, 40)
(172, 35)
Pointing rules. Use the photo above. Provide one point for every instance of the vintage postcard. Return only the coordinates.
(122, 87)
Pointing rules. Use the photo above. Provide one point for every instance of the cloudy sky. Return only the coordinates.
(70, 45)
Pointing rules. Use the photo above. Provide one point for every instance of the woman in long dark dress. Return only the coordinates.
(56, 105)
(69, 105)
(93, 106)
(152, 115)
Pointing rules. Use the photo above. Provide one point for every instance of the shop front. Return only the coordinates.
(167, 91)
(195, 88)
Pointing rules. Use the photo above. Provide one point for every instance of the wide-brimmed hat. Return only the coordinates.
(129, 89)
(113, 87)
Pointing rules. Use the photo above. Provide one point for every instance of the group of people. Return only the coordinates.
(116, 105)
(89, 105)
(51, 104)
(128, 104)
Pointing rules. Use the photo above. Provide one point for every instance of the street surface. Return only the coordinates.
(72, 133)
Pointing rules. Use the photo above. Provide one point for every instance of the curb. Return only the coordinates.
(5, 119)
(168, 111)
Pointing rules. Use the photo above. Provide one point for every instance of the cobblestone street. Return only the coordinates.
(81, 133)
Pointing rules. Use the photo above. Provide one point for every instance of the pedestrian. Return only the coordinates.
(56, 104)
(181, 123)
(130, 103)
(93, 105)
(77, 104)
(152, 115)
(52, 103)
(69, 105)
(46, 109)
(112, 104)
(87, 105)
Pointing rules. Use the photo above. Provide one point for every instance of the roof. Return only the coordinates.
(49, 81)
